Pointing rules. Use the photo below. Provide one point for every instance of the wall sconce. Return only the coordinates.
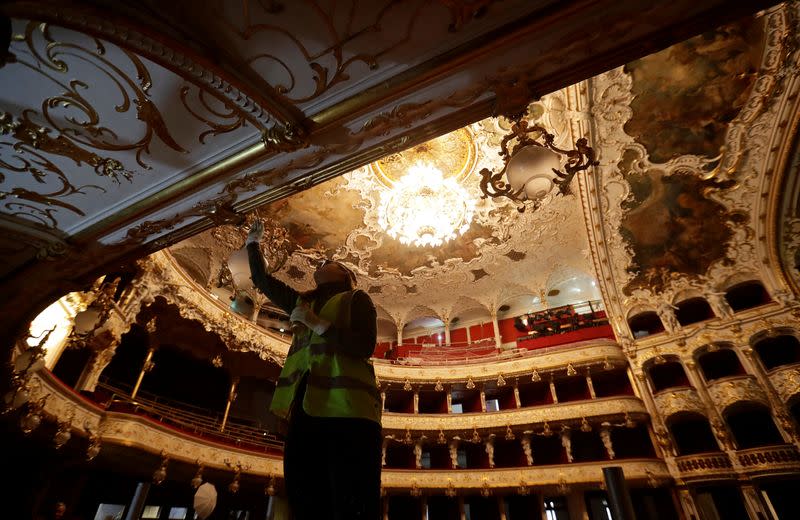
(270, 489)
(31, 420)
(233, 487)
(532, 165)
(93, 450)
(161, 473)
(64, 432)
(197, 480)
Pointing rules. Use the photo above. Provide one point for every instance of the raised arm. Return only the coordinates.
(278, 292)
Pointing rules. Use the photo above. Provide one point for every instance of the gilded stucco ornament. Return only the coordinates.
(734, 389)
(732, 180)
(675, 401)
(786, 381)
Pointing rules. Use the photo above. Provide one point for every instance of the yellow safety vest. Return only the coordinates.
(338, 384)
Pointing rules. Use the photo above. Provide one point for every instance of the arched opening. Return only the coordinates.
(645, 323)
(794, 409)
(692, 434)
(723, 362)
(667, 375)
(752, 426)
(693, 310)
(778, 351)
(747, 295)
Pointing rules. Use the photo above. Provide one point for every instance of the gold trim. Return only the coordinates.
(139, 209)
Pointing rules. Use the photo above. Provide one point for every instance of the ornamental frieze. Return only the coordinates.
(560, 475)
(598, 351)
(523, 416)
(681, 400)
(786, 381)
(731, 390)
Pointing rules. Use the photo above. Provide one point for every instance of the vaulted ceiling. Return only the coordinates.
(128, 126)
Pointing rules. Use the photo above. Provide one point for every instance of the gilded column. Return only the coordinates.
(497, 341)
(658, 431)
(553, 390)
(566, 441)
(147, 366)
(782, 417)
(714, 418)
(753, 503)
(605, 436)
(517, 399)
(589, 384)
(231, 398)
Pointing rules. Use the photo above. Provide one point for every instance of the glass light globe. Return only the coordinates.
(531, 169)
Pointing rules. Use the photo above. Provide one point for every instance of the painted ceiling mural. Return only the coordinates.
(684, 99)
(686, 137)
(675, 191)
(339, 220)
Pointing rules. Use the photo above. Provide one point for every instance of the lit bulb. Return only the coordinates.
(93, 450)
(61, 437)
(30, 422)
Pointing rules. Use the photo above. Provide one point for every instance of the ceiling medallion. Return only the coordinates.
(424, 208)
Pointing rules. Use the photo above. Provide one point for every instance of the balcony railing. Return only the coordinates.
(704, 466)
(770, 459)
(191, 419)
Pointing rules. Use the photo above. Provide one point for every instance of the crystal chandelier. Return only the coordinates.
(424, 208)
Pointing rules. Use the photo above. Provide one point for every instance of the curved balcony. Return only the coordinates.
(610, 406)
(594, 351)
(675, 400)
(705, 466)
(641, 470)
(786, 381)
(772, 460)
(730, 390)
(129, 429)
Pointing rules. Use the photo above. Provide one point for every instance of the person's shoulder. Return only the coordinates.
(361, 297)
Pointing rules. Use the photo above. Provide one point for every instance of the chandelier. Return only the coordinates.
(424, 208)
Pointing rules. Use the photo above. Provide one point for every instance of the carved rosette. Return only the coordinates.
(675, 401)
(731, 390)
(786, 381)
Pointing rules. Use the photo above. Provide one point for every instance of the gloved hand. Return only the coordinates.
(256, 233)
(305, 315)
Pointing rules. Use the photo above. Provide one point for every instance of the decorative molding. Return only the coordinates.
(770, 460)
(670, 402)
(730, 390)
(596, 409)
(705, 466)
(538, 477)
(736, 175)
(786, 381)
(585, 354)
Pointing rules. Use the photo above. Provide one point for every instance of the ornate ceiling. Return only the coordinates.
(504, 253)
(674, 209)
(128, 126)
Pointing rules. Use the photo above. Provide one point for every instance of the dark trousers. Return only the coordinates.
(332, 467)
